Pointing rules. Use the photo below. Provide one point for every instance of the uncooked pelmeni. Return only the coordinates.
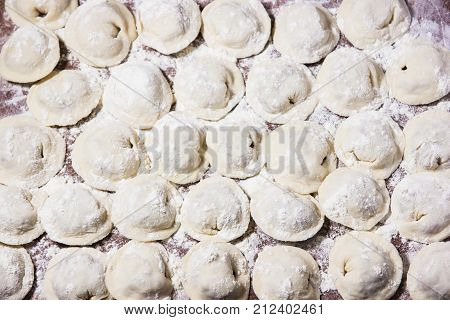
(29, 55)
(146, 208)
(370, 141)
(63, 98)
(349, 82)
(286, 273)
(421, 206)
(168, 26)
(428, 276)
(138, 94)
(366, 23)
(215, 270)
(100, 32)
(139, 271)
(30, 154)
(240, 27)
(305, 32)
(76, 274)
(364, 266)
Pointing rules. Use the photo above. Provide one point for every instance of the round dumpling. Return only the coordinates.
(349, 81)
(421, 206)
(29, 55)
(366, 23)
(208, 87)
(63, 98)
(137, 94)
(286, 273)
(240, 27)
(370, 141)
(168, 26)
(100, 32)
(305, 32)
(30, 155)
(215, 270)
(364, 266)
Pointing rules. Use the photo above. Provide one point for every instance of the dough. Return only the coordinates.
(286, 273)
(368, 23)
(208, 87)
(100, 32)
(146, 208)
(364, 266)
(215, 270)
(216, 209)
(138, 94)
(29, 55)
(63, 98)
(421, 206)
(168, 26)
(139, 271)
(305, 32)
(240, 27)
(349, 81)
(300, 155)
(370, 141)
(76, 274)
(279, 90)
(29, 154)
(16, 272)
(428, 276)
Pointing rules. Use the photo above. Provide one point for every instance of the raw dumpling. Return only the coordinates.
(421, 206)
(216, 209)
(146, 208)
(364, 266)
(215, 270)
(30, 155)
(138, 94)
(240, 27)
(63, 98)
(168, 26)
(29, 55)
(100, 32)
(76, 274)
(370, 141)
(286, 273)
(305, 32)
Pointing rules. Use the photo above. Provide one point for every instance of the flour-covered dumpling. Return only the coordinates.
(100, 32)
(138, 94)
(215, 270)
(29, 55)
(305, 32)
(240, 27)
(364, 266)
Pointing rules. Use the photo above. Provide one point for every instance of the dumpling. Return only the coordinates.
(421, 206)
(139, 271)
(349, 82)
(305, 32)
(286, 273)
(370, 141)
(168, 26)
(216, 209)
(63, 98)
(30, 155)
(138, 94)
(364, 266)
(76, 274)
(146, 208)
(29, 55)
(240, 27)
(215, 270)
(100, 32)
